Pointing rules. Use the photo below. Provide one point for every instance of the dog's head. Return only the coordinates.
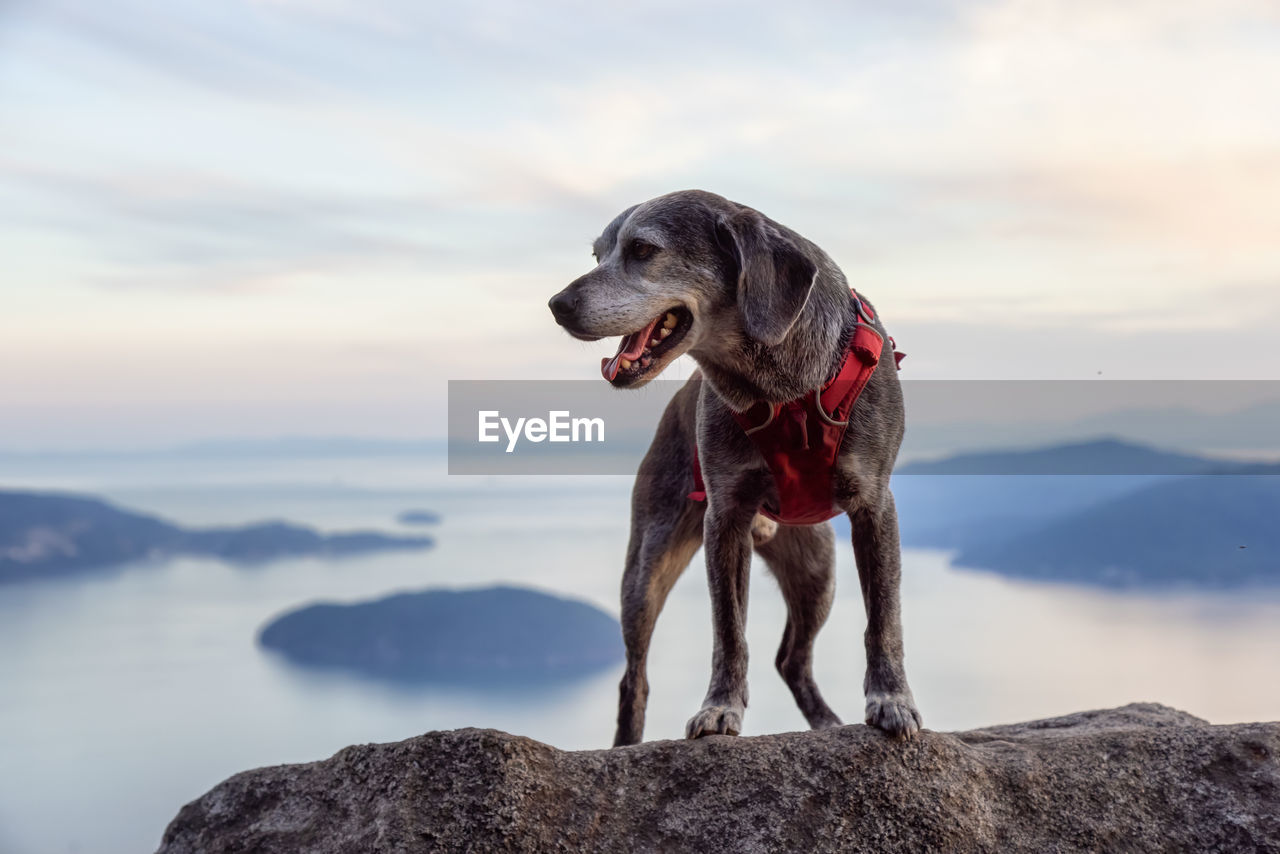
(686, 272)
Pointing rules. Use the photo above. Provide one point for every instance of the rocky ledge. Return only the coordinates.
(1139, 778)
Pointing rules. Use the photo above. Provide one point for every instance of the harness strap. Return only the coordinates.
(800, 439)
(838, 394)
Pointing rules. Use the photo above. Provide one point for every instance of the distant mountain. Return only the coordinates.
(491, 636)
(1153, 417)
(283, 447)
(976, 498)
(308, 447)
(48, 535)
(1215, 531)
(1093, 457)
(952, 511)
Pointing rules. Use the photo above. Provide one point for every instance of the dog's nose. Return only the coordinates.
(563, 305)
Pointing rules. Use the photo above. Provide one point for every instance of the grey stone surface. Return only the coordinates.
(1140, 778)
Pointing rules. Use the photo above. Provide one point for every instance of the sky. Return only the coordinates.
(280, 217)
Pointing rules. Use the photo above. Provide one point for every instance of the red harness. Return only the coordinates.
(800, 439)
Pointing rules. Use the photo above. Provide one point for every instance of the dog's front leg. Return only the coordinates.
(727, 539)
(890, 705)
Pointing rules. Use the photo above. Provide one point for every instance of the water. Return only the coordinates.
(126, 694)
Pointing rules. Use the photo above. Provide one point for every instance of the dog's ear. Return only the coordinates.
(774, 277)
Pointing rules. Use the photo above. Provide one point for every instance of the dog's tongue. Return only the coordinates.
(630, 349)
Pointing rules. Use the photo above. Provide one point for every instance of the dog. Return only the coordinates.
(766, 315)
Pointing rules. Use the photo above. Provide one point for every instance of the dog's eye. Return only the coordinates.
(641, 250)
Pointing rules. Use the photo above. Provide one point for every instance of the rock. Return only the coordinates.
(1140, 778)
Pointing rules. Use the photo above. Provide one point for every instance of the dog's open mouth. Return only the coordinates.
(644, 349)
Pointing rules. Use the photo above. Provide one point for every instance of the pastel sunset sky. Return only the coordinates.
(301, 217)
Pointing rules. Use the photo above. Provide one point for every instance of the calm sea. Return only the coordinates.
(128, 693)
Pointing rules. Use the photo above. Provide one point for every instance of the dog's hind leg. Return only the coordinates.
(890, 705)
(802, 559)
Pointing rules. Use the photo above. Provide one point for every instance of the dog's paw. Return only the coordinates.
(825, 720)
(714, 720)
(894, 713)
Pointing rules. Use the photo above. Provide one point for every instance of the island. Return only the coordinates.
(493, 636)
(54, 535)
(418, 517)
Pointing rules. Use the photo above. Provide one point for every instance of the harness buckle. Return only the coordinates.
(860, 310)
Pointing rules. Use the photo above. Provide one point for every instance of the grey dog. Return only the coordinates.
(765, 314)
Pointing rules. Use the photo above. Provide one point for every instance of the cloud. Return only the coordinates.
(191, 230)
(339, 170)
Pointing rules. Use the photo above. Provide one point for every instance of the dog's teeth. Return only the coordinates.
(670, 322)
(663, 333)
(653, 342)
(625, 363)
